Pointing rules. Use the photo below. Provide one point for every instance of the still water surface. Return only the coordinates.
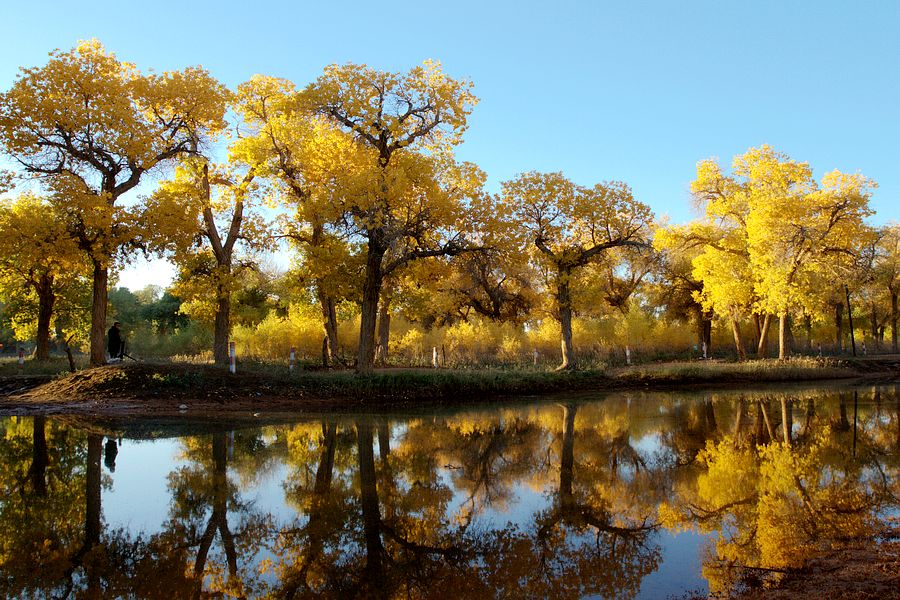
(632, 495)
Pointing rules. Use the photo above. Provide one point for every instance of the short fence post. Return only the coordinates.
(293, 358)
(21, 358)
(232, 356)
(534, 356)
(434, 357)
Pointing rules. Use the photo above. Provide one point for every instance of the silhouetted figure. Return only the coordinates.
(114, 342)
(110, 451)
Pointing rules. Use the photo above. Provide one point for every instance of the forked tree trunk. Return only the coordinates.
(764, 337)
(371, 293)
(222, 326)
(99, 299)
(738, 341)
(46, 300)
(329, 322)
(564, 308)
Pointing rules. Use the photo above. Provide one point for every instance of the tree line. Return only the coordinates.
(356, 173)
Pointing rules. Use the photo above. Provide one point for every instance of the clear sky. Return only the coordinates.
(628, 90)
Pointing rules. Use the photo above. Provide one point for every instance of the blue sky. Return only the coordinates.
(634, 91)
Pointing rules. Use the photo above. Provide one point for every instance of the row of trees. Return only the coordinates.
(356, 173)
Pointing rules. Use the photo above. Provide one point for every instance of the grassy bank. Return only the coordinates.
(265, 386)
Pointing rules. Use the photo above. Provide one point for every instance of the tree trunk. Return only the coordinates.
(738, 342)
(46, 300)
(807, 325)
(839, 327)
(875, 328)
(98, 314)
(782, 336)
(894, 316)
(384, 331)
(764, 337)
(564, 308)
(850, 321)
(329, 321)
(223, 326)
(371, 294)
(707, 332)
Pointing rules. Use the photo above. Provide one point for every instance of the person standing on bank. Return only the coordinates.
(114, 342)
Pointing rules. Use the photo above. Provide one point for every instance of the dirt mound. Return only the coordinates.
(148, 380)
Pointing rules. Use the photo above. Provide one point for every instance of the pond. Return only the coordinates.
(626, 495)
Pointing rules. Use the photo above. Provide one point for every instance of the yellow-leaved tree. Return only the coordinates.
(798, 230)
(312, 163)
(571, 226)
(90, 127)
(40, 265)
(206, 217)
(411, 200)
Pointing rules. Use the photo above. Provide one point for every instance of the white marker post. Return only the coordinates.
(293, 358)
(232, 355)
(21, 358)
(534, 356)
(434, 357)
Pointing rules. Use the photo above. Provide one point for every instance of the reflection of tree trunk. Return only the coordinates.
(326, 461)
(787, 420)
(92, 491)
(40, 457)
(370, 509)
(738, 342)
(218, 520)
(93, 510)
(810, 414)
(843, 423)
(567, 460)
(739, 417)
(765, 413)
(710, 415)
(764, 337)
(384, 441)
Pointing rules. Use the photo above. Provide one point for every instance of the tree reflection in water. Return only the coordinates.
(436, 508)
